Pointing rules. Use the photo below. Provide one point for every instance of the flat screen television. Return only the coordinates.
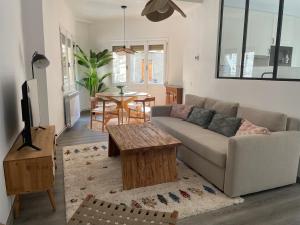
(30, 111)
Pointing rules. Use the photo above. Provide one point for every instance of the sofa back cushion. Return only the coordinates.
(271, 120)
(181, 111)
(293, 124)
(225, 108)
(201, 117)
(248, 128)
(194, 100)
(225, 125)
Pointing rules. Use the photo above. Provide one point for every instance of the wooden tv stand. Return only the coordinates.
(28, 170)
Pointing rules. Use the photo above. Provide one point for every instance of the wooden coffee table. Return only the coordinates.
(148, 154)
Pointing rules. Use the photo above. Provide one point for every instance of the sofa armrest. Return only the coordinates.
(260, 162)
(161, 111)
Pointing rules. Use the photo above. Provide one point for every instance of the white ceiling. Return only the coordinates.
(91, 10)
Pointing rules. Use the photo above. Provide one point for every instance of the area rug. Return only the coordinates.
(89, 171)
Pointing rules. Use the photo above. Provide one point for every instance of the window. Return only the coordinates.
(156, 64)
(68, 64)
(258, 40)
(119, 67)
(145, 67)
(230, 52)
(137, 65)
(249, 64)
(230, 62)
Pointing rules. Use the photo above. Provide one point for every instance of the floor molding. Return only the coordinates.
(10, 219)
(61, 132)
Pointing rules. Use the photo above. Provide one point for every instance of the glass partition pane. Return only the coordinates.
(156, 64)
(232, 38)
(137, 65)
(261, 36)
(289, 52)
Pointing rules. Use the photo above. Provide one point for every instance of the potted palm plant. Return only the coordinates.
(93, 81)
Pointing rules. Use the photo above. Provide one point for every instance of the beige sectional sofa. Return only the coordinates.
(242, 164)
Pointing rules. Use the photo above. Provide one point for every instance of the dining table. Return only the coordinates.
(122, 99)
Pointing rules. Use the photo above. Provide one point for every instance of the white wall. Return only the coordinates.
(199, 76)
(12, 75)
(56, 14)
(27, 26)
(32, 22)
(83, 40)
(102, 34)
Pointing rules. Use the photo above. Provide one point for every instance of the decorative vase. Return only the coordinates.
(121, 87)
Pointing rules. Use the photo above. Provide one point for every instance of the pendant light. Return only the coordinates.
(158, 10)
(124, 50)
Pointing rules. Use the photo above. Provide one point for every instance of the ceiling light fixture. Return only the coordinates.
(124, 50)
(158, 10)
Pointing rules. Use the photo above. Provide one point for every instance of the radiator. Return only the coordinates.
(72, 108)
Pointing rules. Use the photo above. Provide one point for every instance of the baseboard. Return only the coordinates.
(10, 219)
(298, 180)
(60, 132)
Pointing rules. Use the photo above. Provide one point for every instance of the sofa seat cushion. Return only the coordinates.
(205, 143)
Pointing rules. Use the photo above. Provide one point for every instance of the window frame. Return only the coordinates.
(146, 44)
(245, 29)
(70, 86)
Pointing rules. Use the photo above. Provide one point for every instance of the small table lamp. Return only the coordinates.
(39, 61)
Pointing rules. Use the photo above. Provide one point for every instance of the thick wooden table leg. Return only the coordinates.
(52, 199)
(113, 149)
(17, 206)
(141, 169)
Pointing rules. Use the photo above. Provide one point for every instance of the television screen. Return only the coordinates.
(34, 102)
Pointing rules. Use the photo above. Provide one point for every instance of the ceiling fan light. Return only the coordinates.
(123, 50)
(158, 10)
(165, 9)
(157, 17)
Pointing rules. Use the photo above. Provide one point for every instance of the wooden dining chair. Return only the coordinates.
(141, 108)
(105, 108)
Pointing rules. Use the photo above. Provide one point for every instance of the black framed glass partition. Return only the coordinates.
(259, 39)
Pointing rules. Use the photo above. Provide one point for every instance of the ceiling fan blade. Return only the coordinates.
(154, 5)
(174, 6)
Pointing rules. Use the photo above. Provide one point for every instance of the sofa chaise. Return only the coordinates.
(238, 165)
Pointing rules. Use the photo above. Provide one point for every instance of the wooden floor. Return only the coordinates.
(277, 207)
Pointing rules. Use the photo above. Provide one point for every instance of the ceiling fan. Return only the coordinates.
(158, 10)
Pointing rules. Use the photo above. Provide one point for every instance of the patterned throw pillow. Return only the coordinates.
(225, 125)
(201, 117)
(181, 111)
(248, 128)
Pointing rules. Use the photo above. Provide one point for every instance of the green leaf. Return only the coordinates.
(92, 81)
(104, 76)
(82, 52)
